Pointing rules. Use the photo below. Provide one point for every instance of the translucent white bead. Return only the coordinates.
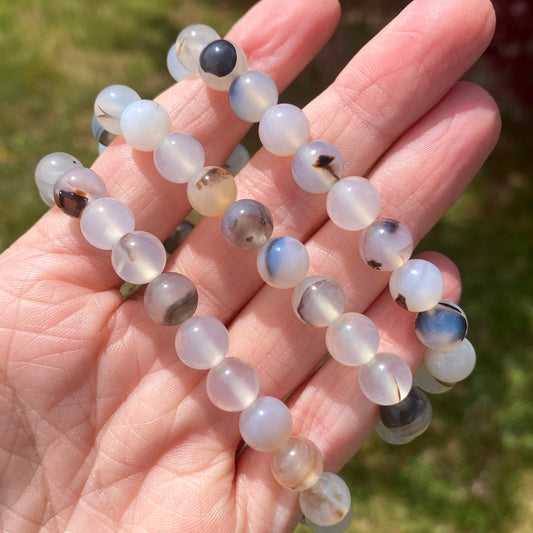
(297, 465)
(178, 157)
(175, 68)
(266, 424)
(353, 203)
(144, 123)
(100, 134)
(190, 43)
(220, 63)
(283, 129)
(454, 365)
(252, 94)
(386, 244)
(170, 299)
(417, 286)
(104, 221)
(386, 379)
(211, 191)
(424, 380)
(283, 262)
(318, 300)
(49, 170)
(352, 339)
(233, 385)
(340, 527)
(202, 342)
(109, 105)
(138, 257)
(317, 166)
(327, 502)
(237, 160)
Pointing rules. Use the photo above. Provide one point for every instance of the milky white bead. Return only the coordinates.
(266, 424)
(178, 157)
(386, 379)
(417, 286)
(252, 94)
(49, 170)
(110, 104)
(283, 129)
(353, 203)
(190, 43)
(175, 68)
(352, 339)
(237, 160)
(202, 342)
(454, 365)
(424, 380)
(104, 221)
(220, 63)
(144, 123)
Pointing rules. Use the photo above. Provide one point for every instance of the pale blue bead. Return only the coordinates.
(49, 169)
(179, 157)
(110, 103)
(252, 94)
(175, 68)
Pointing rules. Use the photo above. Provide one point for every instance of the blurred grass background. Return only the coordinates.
(473, 470)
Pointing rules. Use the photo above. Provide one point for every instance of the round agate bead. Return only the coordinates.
(317, 166)
(202, 342)
(318, 301)
(76, 188)
(283, 129)
(104, 221)
(454, 365)
(138, 257)
(221, 61)
(233, 385)
(237, 160)
(170, 299)
(340, 527)
(266, 424)
(211, 191)
(417, 286)
(386, 244)
(352, 339)
(252, 94)
(298, 464)
(327, 502)
(175, 68)
(49, 170)
(110, 104)
(103, 136)
(247, 224)
(424, 380)
(442, 327)
(386, 379)
(353, 203)
(179, 157)
(404, 421)
(190, 43)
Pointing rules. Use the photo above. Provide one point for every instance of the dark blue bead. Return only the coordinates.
(218, 58)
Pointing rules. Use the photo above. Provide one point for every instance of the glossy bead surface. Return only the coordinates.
(237, 160)
(353, 203)
(220, 63)
(190, 43)
(454, 365)
(404, 421)
(100, 134)
(138, 257)
(442, 327)
(170, 299)
(202, 342)
(104, 221)
(386, 244)
(352, 339)
(327, 502)
(298, 464)
(110, 104)
(386, 379)
(318, 300)
(425, 381)
(179, 157)
(252, 94)
(49, 170)
(283, 262)
(175, 68)
(317, 166)
(247, 224)
(266, 424)
(283, 129)
(417, 286)
(233, 385)
(211, 191)
(76, 188)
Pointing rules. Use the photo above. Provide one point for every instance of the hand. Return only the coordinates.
(103, 428)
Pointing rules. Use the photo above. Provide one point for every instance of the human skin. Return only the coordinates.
(103, 428)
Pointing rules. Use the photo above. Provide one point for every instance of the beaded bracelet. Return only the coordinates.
(202, 342)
